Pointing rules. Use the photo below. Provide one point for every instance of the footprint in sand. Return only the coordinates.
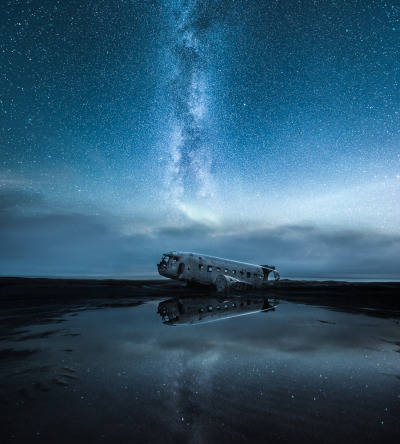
(26, 393)
(69, 376)
(60, 381)
(69, 373)
(69, 369)
(42, 387)
(3, 398)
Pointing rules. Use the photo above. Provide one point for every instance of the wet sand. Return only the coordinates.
(92, 360)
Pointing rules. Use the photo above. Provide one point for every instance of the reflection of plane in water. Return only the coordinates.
(224, 274)
(195, 310)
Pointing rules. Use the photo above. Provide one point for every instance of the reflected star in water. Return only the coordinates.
(299, 372)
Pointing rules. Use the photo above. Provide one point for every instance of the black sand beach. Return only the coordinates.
(92, 360)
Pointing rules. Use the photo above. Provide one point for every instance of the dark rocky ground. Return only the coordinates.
(22, 293)
(14, 289)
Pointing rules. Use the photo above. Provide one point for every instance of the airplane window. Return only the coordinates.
(201, 310)
(233, 305)
(248, 274)
(209, 308)
(201, 266)
(165, 259)
(233, 271)
(218, 269)
(226, 305)
(209, 268)
(226, 270)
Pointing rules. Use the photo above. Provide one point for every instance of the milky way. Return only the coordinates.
(189, 175)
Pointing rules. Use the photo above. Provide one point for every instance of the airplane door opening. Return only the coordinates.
(181, 268)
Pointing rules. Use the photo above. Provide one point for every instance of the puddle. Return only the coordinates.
(283, 372)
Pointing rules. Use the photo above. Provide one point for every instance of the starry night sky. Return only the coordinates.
(267, 132)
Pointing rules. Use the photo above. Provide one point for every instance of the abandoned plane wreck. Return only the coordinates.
(224, 274)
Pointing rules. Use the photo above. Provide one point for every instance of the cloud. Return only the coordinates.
(12, 199)
(55, 242)
(311, 251)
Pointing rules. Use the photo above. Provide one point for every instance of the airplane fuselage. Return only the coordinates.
(210, 270)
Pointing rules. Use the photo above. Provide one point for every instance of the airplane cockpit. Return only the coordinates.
(168, 265)
(164, 260)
